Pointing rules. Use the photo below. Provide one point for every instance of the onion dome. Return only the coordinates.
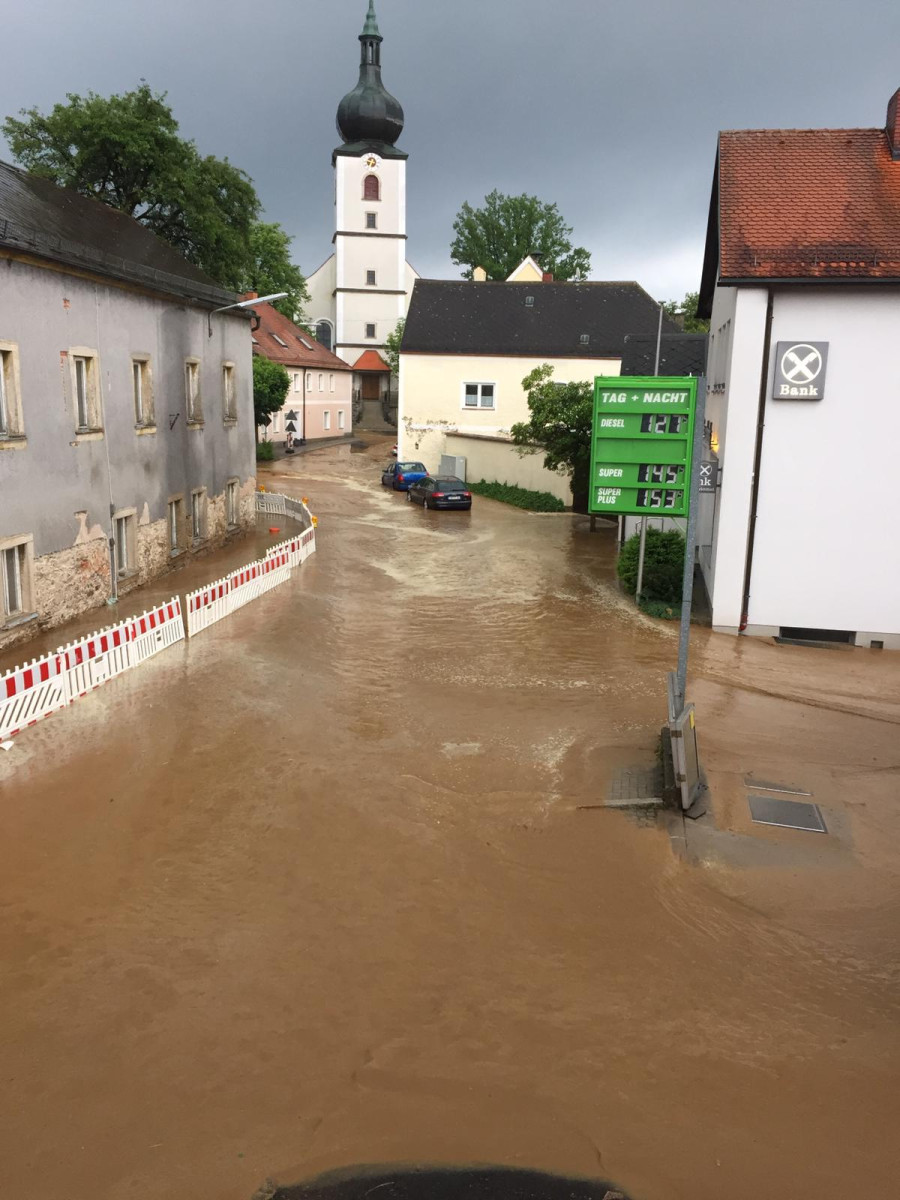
(370, 114)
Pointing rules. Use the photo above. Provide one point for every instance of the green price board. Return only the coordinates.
(642, 443)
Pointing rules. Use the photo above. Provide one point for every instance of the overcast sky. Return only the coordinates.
(611, 110)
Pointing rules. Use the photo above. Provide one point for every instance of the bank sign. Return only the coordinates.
(642, 444)
(800, 370)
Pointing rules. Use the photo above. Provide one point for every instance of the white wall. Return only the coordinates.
(827, 552)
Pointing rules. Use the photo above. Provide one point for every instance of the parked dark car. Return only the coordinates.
(440, 491)
(400, 475)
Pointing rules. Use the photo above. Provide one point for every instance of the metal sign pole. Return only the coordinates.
(643, 547)
(687, 587)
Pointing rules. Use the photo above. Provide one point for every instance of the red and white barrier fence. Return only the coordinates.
(48, 684)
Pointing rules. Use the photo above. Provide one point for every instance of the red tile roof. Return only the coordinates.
(370, 360)
(808, 203)
(296, 347)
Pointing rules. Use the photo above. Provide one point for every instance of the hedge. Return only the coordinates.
(265, 452)
(663, 566)
(508, 493)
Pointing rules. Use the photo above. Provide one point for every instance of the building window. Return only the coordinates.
(296, 381)
(340, 418)
(326, 420)
(371, 220)
(323, 334)
(229, 395)
(280, 341)
(192, 398)
(176, 517)
(198, 514)
(331, 383)
(478, 395)
(371, 188)
(231, 503)
(309, 381)
(276, 422)
(10, 408)
(370, 331)
(126, 542)
(529, 301)
(585, 339)
(321, 383)
(142, 391)
(86, 389)
(15, 577)
(370, 279)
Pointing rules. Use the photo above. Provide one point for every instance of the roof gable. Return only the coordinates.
(284, 342)
(459, 317)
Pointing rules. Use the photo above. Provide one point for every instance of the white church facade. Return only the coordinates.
(363, 289)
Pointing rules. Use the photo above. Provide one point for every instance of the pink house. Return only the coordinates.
(320, 401)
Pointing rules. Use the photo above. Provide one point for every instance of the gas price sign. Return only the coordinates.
(642, 445)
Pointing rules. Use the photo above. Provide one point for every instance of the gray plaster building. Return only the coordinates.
(126, 430)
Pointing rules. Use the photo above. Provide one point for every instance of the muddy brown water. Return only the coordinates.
(315, 889)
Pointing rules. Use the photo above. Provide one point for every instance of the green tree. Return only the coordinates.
(507, 229)
(271, 270)
(270, 387)
(684, 313)
(126, 151)
(392, 342)
(559, 427)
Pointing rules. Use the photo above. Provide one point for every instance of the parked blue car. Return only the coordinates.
(400, 475)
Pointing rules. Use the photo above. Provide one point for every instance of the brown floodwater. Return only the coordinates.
(315, 889)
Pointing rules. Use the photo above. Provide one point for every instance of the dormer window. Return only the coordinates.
(371, 188)
(585, 339)
(529, 301)
(279, 341)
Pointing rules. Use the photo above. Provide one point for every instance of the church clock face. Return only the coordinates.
(372, 161)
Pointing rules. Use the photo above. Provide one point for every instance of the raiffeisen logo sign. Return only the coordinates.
(800, 370)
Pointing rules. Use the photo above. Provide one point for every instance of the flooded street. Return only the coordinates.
(315, 889)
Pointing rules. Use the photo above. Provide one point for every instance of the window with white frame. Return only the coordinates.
(371, 220)
(10, 408)
(370, 279)
(321, 383)
(126, 542)
(370, 330)
(142, 391)
(176, 519)
(192, 398)
(297, 381)
(86, 390)
(331, 383)
(309, 381)
(340, 418)
(229, 395)
(198, 514)
(478, 395)
(15, 577)
(231, 503)
(326, 420)
(276, 422)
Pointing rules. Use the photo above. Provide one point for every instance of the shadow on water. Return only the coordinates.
(443, 1183)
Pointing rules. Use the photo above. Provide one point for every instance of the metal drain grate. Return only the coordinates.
(790, 814)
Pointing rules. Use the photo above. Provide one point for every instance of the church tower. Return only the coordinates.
(363, 290)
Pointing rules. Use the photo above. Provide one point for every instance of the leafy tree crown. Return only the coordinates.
(507, 229)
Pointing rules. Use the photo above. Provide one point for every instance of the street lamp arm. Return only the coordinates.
(245, 304)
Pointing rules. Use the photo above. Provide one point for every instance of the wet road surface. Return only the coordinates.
(315, 890)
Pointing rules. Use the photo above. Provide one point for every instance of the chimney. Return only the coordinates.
(250, 296)
(893, 125)
(479, 275)
(548, 277)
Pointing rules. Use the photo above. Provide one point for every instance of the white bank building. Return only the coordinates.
(801, 281)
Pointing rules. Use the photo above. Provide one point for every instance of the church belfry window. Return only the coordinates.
(323, 334)
(371, 188)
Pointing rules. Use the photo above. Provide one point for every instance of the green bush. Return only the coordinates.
(663, 565)
(508, 493)
(265, 452)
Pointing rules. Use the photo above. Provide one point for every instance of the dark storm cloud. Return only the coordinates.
(610, 109)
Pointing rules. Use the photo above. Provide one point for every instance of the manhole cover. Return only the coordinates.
(791, 814)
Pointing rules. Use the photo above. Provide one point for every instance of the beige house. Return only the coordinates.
(467, 347)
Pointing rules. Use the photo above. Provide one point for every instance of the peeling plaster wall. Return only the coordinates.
(59, 487)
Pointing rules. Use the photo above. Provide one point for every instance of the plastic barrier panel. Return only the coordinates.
(156, 630)
(31, 692)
